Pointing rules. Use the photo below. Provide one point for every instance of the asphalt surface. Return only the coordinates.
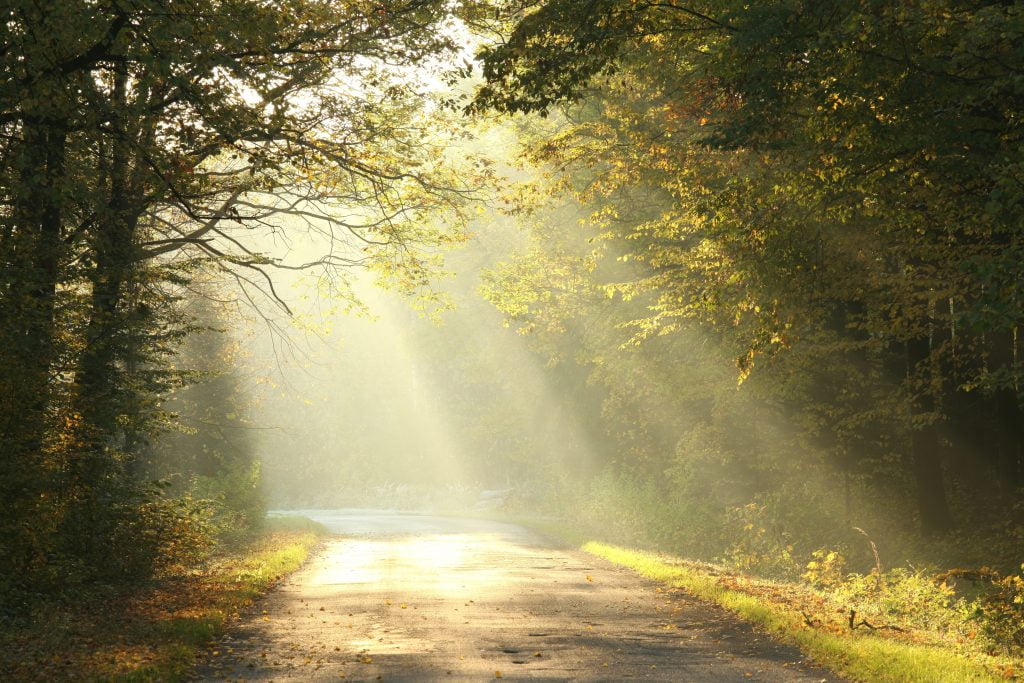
(412, 597)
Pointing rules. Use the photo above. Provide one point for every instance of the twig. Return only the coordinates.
(854, 624)
(874, 551)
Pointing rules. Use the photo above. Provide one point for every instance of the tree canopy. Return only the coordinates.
(144, 140)
(829, 188)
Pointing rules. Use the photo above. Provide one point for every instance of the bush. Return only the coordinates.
(235, 498)
(1000, 613)
(158, 534)
(826, 570)
(631, 510)
(758, 544)
(998, 608)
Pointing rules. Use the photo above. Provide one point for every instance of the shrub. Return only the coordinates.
(1000, 613)
(157, 534)
(826, 570)
(998, 609)
(758, 544)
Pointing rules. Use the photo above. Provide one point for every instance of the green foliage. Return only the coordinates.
(140, 143)
(635, 509)
(162, 535)
(825, 570)
(779, 242)
(994, 607)
(1001, 613)
(236, 493)
(211, 453)
(903, 597)
(810, 195)
(758, 547)
(143, 533)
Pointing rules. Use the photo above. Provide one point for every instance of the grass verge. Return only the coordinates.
(859, 656)
(881, 656)
(154, 633)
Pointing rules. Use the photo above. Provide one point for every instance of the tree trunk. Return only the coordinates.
(926, 446)
(99, 382)
(1009, 421)
(28, 309)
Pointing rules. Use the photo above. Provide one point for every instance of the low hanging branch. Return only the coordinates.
(854, 624)
(814, 622)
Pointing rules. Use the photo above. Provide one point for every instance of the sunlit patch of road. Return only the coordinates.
(415, 597)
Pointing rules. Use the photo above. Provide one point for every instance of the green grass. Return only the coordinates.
(861, 657)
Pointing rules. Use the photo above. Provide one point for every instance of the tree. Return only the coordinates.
(211, 453)
(837, 189)
(137, 132)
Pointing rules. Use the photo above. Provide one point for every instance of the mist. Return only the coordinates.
(390, 405)
(727, 295)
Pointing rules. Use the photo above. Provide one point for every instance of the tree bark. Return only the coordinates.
(926, 446)
(100, 390)
(28, 308)
(1008, 418)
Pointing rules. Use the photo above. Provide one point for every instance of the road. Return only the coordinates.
(414, 597)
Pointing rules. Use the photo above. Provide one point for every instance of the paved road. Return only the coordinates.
(414, 597)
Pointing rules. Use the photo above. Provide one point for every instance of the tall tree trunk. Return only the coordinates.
(99, 386)
(1009, 420)
(926, 445)
(28, 309)
(97, 475)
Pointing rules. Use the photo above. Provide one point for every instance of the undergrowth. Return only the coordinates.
(154, 631)
(864, 655)
(961, 591)
(874, 623)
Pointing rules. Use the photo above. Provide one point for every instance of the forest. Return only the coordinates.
(740, 282)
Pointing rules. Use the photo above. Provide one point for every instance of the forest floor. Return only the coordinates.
(152, 632)
(412, 597)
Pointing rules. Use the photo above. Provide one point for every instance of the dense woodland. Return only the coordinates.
(764, 262)
(828, 193)
(150, 149)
